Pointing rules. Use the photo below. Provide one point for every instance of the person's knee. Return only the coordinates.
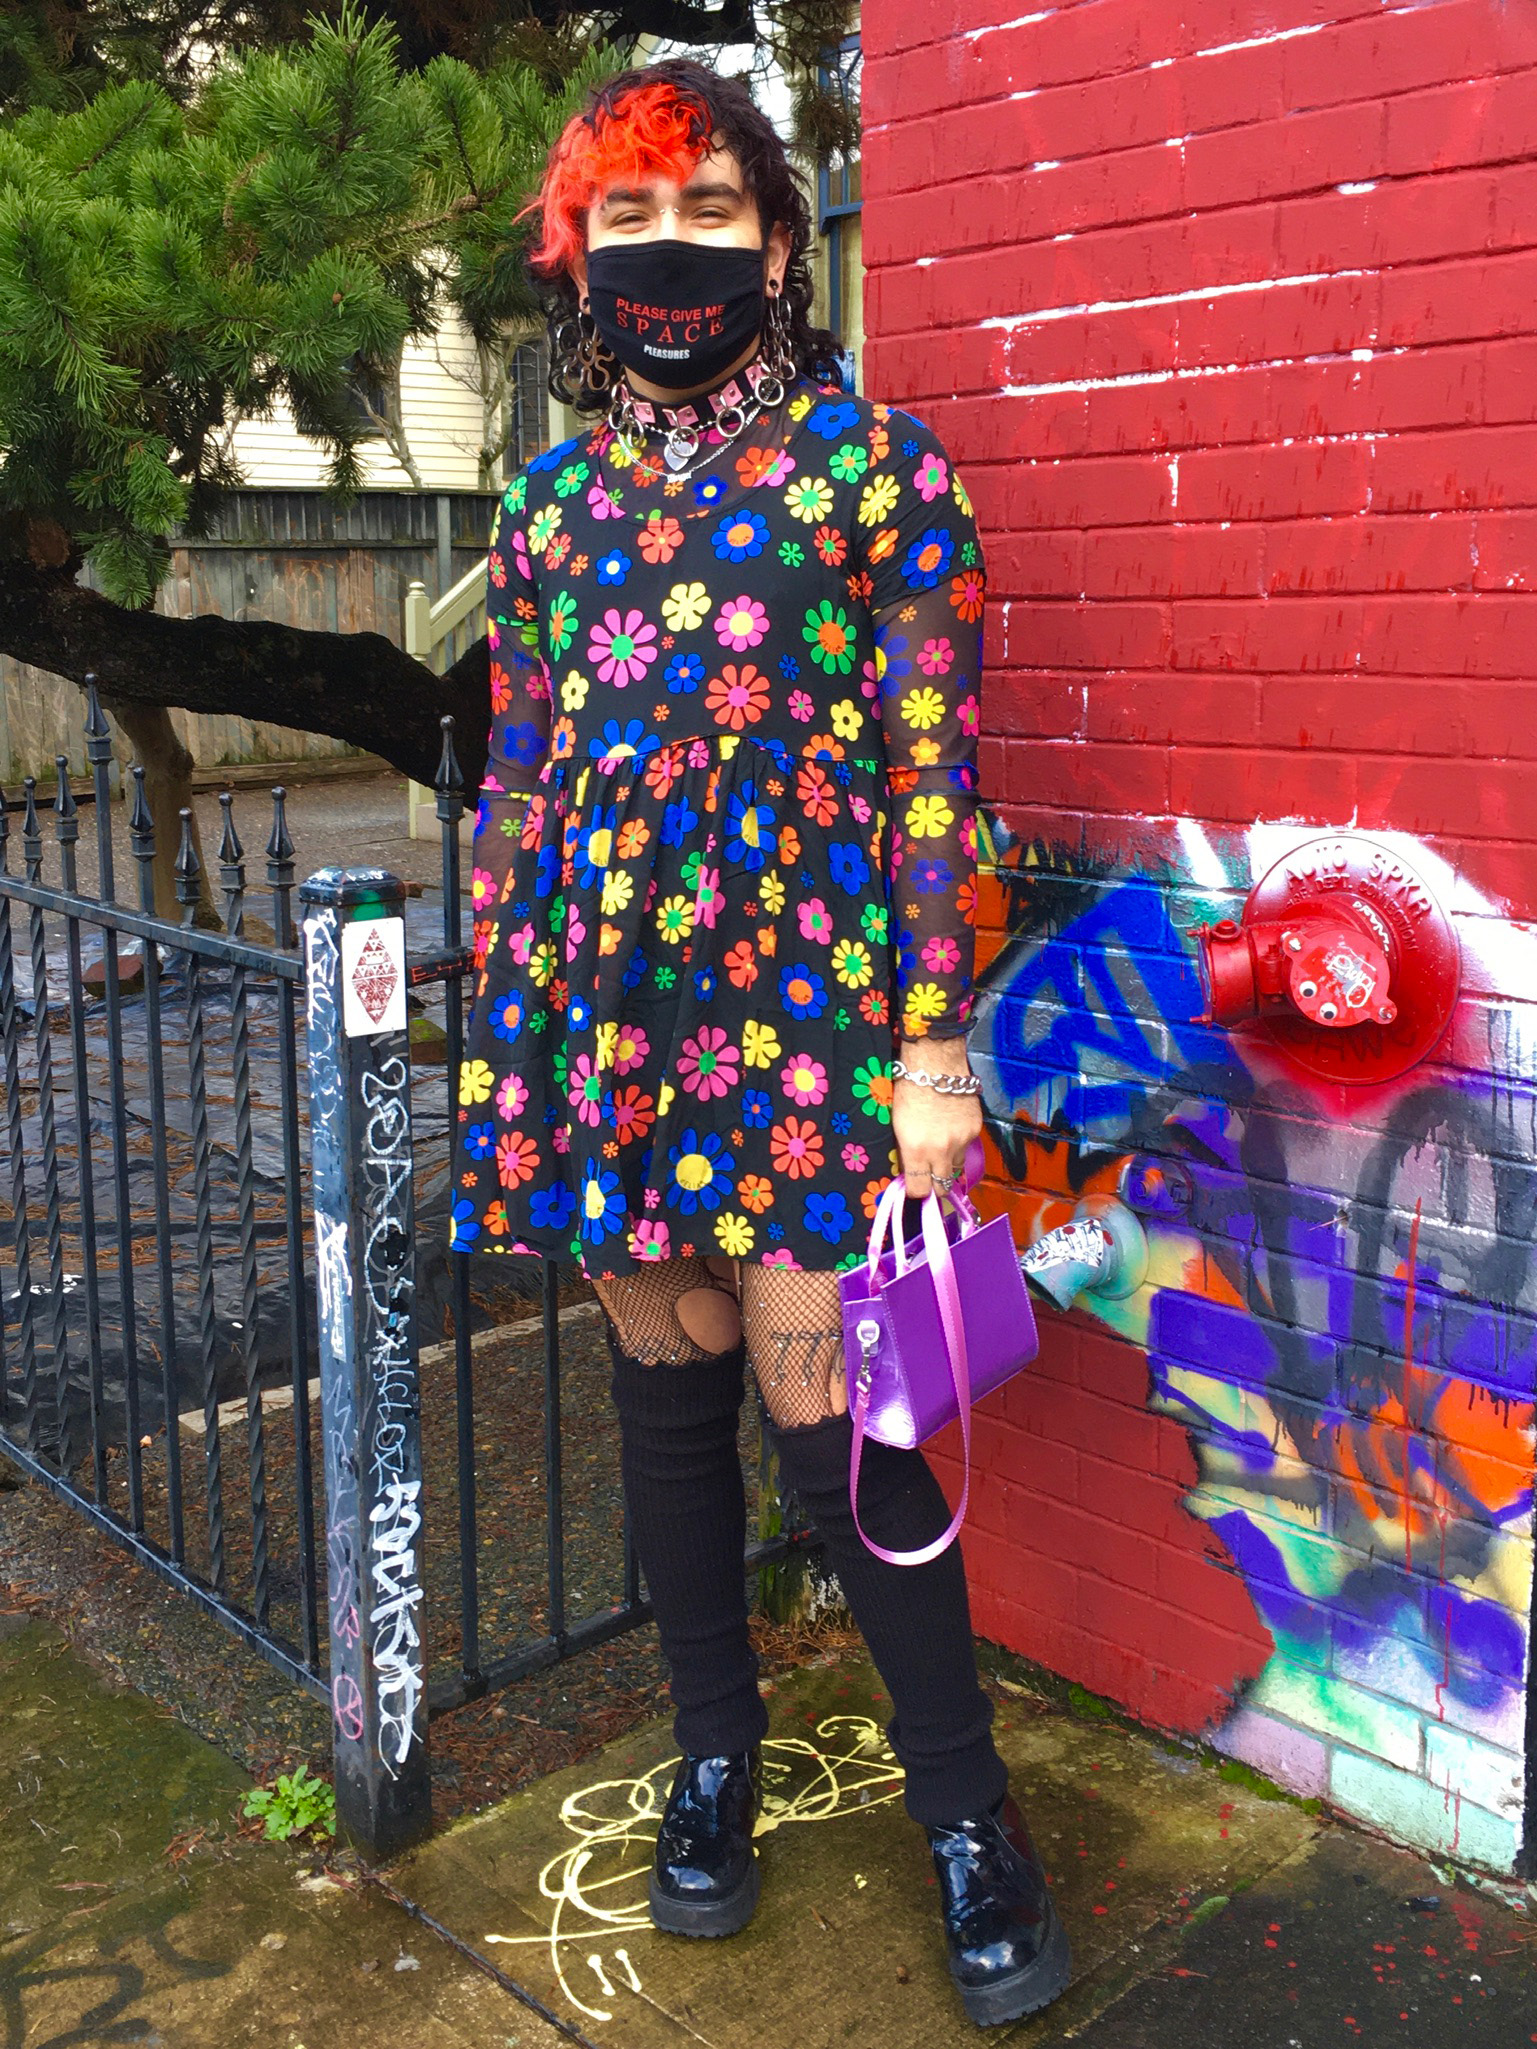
(671, 1316)
(711, 1319)
(814, 1457)
(897, 1487)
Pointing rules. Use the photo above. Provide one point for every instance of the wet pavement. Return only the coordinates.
(131, 1910)
(1203, 1909)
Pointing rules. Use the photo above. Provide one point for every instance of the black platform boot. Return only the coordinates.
(1008, 1951)
(705, 1880)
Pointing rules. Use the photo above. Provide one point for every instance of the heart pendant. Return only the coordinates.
(679, 449)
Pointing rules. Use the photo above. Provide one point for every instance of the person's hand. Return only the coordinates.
(932, 1131)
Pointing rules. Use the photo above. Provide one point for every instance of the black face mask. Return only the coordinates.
(676, 313)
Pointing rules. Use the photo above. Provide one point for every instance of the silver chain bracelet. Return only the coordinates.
(941, 1084)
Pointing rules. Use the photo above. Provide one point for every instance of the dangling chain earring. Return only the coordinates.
(598, 366)
(777, 358)
(580, 357)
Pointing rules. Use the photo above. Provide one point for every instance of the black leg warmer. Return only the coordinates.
(916, 1619)
(683, 1486)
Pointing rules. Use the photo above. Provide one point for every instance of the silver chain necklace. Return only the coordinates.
(729, 412)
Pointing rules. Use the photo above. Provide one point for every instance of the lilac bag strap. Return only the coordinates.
(936, 1245)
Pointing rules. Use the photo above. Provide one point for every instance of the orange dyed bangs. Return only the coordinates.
(653, 131)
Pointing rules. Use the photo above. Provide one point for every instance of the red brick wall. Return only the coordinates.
(1228, 315)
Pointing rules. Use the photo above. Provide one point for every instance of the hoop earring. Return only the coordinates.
(565, 344)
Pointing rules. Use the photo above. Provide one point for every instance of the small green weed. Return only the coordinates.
(1088, 1705)
(297, 1801)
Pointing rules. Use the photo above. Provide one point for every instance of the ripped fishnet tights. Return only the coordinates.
(683, 1310)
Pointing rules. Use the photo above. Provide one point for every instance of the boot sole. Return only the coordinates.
(1026, 1991)
(708, 1918)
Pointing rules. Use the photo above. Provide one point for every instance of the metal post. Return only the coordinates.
(445, 540)
(360, 1137)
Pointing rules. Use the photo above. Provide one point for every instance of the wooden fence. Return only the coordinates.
(292, 556)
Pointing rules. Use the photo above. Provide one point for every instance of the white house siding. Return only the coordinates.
(439, 404)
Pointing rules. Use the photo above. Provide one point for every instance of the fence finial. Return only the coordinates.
(66, 812)
(141, 820)
(96, 727)
(280, 848)
(189, 869)
(280, 869)
(450, 777)
(231, 852)
(31, 831)
(231, 868)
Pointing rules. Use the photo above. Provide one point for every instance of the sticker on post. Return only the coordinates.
(374, 977)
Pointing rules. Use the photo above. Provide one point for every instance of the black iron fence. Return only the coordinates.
(219, 1209)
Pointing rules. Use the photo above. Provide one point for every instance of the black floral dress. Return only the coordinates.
(748, 704)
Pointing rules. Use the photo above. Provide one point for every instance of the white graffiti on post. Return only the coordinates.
(393, 1523)
(386, 1283)
(333, 1276)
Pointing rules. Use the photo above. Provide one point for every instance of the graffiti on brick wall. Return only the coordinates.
(1339, 1309)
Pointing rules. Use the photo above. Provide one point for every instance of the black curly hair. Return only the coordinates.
(730, 120)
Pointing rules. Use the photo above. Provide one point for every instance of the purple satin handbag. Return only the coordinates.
(929, 1328)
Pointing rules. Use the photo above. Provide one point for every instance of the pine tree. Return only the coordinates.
(168, 268)
(187, 243)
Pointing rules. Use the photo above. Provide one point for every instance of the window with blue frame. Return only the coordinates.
(839, 200)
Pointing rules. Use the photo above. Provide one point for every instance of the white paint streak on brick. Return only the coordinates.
(1279, 35)
(1205, 863)
(997, 28)
(1041, 315)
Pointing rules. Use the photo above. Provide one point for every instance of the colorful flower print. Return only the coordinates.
(708, 1064)
(626, 740)
(701, 1171)
(750, 732)
(740, 536)
(601, 1203)
(828, 633)
(810, 499)
(796, 1148)
(829, 1216)
(804, 1080)
(660, 538)
(741, 623)
(623, 647)
(802, 991)
(684, 607)
(928, 559)
(873, 1089)
(931, 478)
(833, 421)
(737, 697)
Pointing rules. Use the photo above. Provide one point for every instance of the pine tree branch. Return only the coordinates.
(677, 21)
(355, 687)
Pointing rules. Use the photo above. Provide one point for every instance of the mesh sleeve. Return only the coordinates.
(926, 583)
(520, 710)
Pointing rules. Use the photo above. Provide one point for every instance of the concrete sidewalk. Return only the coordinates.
(1201, 1912)
(131, 1912)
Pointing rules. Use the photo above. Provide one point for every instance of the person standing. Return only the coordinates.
(724, 891)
